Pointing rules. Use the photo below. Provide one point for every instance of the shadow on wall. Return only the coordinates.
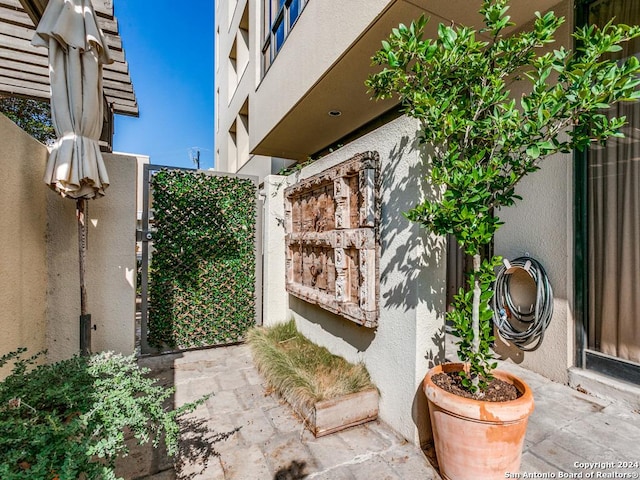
(420, 407)
(405, 284)
(437, 356)
(407, 280)
(357, 336)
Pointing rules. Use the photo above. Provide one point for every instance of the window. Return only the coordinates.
(217, 46)
(279, 18)
(233, 70)
(217, 109)
(242, 41)
(238, 140)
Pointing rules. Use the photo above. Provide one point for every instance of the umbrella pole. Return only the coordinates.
(85, 319)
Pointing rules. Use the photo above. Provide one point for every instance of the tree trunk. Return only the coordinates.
(475, 313)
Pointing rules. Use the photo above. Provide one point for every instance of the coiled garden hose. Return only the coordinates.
(538, 317)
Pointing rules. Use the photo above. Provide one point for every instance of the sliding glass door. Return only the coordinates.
(612, 244)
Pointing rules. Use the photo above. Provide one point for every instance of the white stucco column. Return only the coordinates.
(275, 298)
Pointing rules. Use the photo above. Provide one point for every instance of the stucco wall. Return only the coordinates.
(232, 90)
(275, 301)
(23, 277)
(39, 286)
(301, 62)
(408, 338)
(541, 225)
(412, 272)
(111, 265)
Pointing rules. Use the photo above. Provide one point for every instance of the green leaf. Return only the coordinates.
(533, 151)
(546, 145)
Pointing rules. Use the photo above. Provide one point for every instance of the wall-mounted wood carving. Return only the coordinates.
(331, 222)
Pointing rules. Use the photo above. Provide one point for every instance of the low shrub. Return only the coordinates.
(68, 420)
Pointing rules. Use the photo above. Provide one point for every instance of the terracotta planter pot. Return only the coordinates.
(477, 440)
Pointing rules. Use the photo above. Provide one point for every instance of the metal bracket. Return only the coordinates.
(144, 235)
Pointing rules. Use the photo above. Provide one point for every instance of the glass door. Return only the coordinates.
(611, 199)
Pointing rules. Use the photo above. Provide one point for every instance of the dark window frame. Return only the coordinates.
(281, 17)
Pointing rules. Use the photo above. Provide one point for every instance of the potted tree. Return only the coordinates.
(482, 142)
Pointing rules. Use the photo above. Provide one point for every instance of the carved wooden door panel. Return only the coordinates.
(331, 222)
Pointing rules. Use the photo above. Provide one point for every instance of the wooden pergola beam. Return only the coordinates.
(34, 8)
(24, 68)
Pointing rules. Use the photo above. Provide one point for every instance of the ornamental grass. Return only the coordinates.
(302, 372)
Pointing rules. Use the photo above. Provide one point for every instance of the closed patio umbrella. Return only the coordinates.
(75, 168)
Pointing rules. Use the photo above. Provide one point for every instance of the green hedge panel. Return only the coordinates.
(202, 273)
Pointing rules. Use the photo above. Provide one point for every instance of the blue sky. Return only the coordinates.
(170, 51)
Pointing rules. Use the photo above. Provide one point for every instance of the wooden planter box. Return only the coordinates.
(329, 416)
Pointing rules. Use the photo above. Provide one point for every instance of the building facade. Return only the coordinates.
(290, 86)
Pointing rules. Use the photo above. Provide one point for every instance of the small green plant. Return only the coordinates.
(301, 371)
(296, 167)
(484, 141)
(67, 420)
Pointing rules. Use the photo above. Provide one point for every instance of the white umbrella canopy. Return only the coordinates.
(75, 168)
(77, 51)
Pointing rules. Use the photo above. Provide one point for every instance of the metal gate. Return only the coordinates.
(200, 263)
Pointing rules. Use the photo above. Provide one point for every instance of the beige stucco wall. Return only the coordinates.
(111, 264)
(232, 90)
(398, 352)
(412, 271)
(23, 220)
(39, 286)
(307, 54)
(141, 161)
(541, 226)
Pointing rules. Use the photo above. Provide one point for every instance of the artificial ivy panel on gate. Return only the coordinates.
(203, 270)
